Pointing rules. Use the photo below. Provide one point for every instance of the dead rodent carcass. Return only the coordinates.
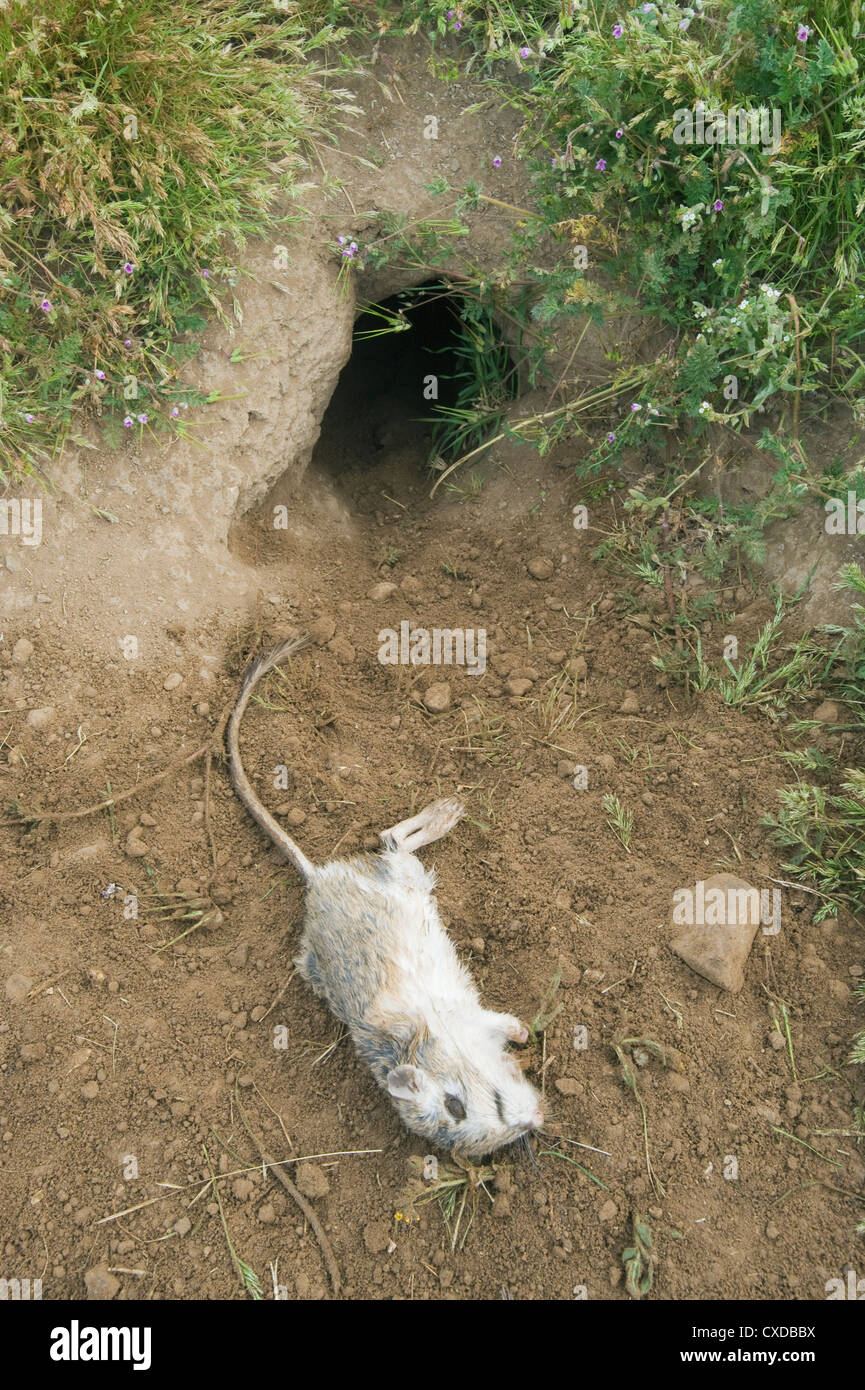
(374, 948)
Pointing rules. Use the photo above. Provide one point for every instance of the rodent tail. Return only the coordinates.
(239, 779)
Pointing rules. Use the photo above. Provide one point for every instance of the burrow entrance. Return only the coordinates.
(428, 376)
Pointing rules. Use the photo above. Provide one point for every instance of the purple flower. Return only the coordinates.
(457, 25)
(206, 274)
(525, 52)
(45, 306)
(803, 34)
(683, 23)
(718, 204)
(497, 162)
(175, 412)
(601, 164)
(128, 423)
(129, 267)
(100, 376)
(618, 31)
(30, 419)
(142, 419)
(619, 134)
(635, 405)
(611, 438)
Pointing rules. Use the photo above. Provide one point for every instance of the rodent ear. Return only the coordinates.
(406, 1083)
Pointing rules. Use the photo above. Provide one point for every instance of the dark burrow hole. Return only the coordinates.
(429, 377)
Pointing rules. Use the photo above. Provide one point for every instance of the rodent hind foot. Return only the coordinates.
(429, 825)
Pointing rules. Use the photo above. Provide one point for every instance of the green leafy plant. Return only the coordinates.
(140, 145)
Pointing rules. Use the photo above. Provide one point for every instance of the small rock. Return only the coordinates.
(90, 1090)
(267, 1214)
(242, 1189)
(173, 681)
(776, 1040)
(518, 686)
(100, 1284)
(239, 956)
(135, 846)
(502, 1205)
(540, 567)
(578, 668)
(609, 1211)
(296, 816)
(630, 704)
(18, 986)
(379, 592)
(322, 630)
(677, 1082)
(41, 718)
(568, 1086)
(183, 1226)
(376, 1236)
(437, 698)
(772, 1231)
(342, 650)
(312, 1181)
(22, 651)
(827, 713)
(718, 949)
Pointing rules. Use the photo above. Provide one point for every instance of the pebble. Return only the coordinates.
(173, 681)
(379, 592)
(540, 567)
(609, 1211)
(22, 651)
(342, 649)
(568, 1086)
(41, 718)
(135, 846)
(312, 1181)
(776, 1040)
(322, 630)
(90, 1090)
(719, 950)
(518, 686)
(376, 1236)
(630, 704)
(100, 1284)
(577, 668)
(183, 1226)
(827, 713)
(437, 698)
(18, 986)
(296, 816)
(267, 1214)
